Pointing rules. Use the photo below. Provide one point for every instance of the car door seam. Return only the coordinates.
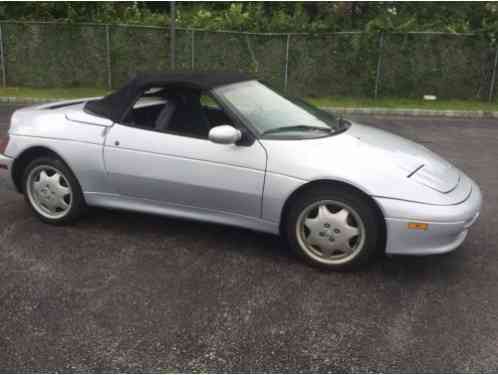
(105, 135)
(261, 209)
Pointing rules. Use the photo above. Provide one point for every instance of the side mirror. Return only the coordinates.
(224, 134)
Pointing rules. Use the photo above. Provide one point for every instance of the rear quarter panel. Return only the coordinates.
(79, 144)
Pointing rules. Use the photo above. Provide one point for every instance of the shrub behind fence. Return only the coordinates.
(353, 64)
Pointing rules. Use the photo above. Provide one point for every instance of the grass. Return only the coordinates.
(71, 93)
(458, 105)
(463, 105)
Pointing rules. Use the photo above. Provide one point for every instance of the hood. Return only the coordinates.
(418, 162)
(378, 162)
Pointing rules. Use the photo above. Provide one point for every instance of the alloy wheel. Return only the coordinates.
(330, 232)
(49, 192)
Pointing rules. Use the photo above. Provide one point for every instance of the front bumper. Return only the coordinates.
(5, 170)
(447, 228)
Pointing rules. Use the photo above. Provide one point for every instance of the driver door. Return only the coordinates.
(185, 170)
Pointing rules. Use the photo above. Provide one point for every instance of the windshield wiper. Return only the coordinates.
(297, 128)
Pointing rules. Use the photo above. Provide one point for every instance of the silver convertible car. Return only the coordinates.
(228, 149)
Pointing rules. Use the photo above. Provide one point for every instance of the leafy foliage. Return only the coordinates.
(319, 64)
(273, 16)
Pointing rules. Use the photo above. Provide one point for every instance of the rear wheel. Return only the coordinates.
(333, 228)
(52, 191)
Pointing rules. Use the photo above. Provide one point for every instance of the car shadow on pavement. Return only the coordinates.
(187, 232)
(199, 235)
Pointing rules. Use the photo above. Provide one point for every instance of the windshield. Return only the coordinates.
(275, 116)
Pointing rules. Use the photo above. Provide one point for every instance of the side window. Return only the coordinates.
(214, 113)
(182, 111)
(146, 110)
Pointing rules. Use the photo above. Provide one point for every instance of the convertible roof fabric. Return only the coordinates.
(115, 105)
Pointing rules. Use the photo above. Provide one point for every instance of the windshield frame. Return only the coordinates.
(341, 126)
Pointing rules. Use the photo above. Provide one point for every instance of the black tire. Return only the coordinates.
(363, 207)
(77, 206)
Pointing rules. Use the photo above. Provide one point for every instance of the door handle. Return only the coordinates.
(116, 143)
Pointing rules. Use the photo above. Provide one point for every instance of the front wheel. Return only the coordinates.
(52, 191)
(333, 228)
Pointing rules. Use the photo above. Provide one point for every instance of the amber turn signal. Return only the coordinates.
(418, 226)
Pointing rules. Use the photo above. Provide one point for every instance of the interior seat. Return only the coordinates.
(189, 116)
(165, 116)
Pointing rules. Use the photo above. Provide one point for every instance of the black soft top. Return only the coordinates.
(115, 105)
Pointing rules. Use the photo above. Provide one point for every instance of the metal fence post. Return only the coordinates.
(379, 65)
(172, 40)
(108, 56)
(493, 77)
(2, 62)
(286, 75)
(193, 49)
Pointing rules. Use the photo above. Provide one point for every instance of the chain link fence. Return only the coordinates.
(352, 64)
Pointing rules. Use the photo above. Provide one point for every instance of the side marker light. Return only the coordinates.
(418, 226)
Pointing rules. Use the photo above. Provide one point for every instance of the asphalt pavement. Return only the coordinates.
(132, 292)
